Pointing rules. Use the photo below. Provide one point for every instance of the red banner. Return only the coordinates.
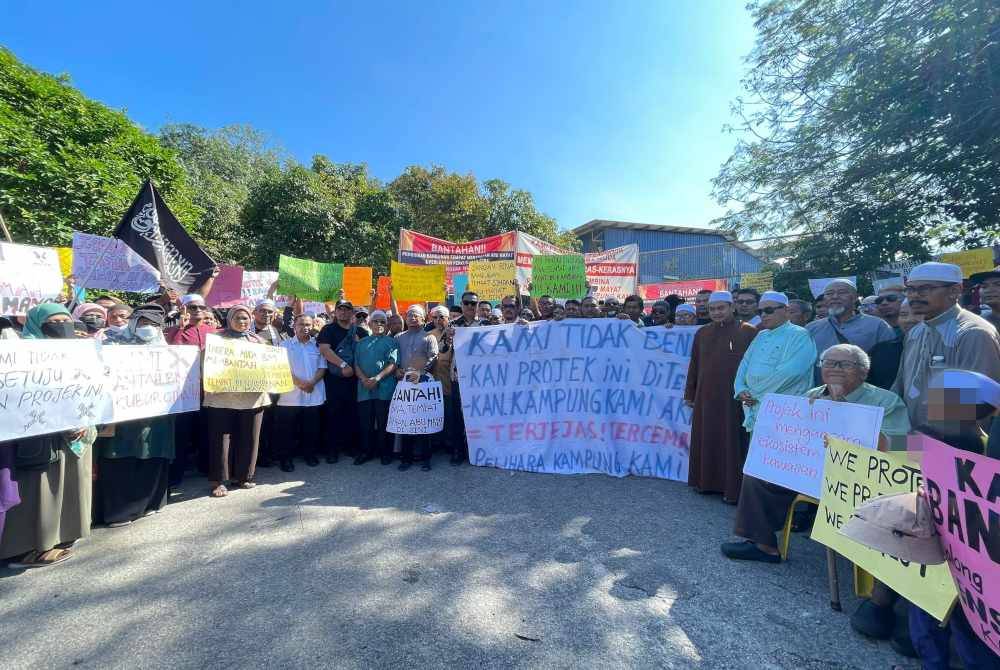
(685, 289)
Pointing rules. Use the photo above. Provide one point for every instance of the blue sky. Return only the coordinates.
(600, 109)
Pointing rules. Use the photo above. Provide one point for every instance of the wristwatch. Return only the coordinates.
(343, 364)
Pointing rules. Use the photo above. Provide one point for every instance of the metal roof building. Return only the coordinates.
(673, 252)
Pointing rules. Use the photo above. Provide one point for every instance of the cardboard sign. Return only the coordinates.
(108, 263)
(461, 283)
(255, 285)
(309, 280)
(786, 447)
(416, 409)
(971, 261)
(560, 276)
(238, 366)
(853, 475)
(575, 396)
(65, 260)
(684, 289)
(964, 492)
(48, 386)
(152, 380)
(492, 280)
(417, 283)
(358, 285)
(28, 276)
(227, 289)
(382, 299)
(761, 281)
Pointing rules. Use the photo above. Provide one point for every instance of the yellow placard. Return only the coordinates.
(492, 280)
(853, 475)
(971, 261)
(237, 366)
(417, 283)
(762, 281)
(65, 260)
(358, 285)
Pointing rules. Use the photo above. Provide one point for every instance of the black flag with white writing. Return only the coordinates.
(151, 230)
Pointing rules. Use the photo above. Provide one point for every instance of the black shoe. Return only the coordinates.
(332, 459)
(264, 463)
(404, 466)
(456, 460)
(362, 459)
(873, 621)
(386, 460)
(748, 551)
(312, 461)
(426, 466)
(287, 465)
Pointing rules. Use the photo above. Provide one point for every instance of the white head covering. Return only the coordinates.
(841, 280)
(943, 272)
(440, 310)
(774, 296)
(974, 387)
(497, 313)
(418, 309)
(266, 302)
(378, 315)
(720, 296)
(686, 307)
(192, 298)
(868, 300)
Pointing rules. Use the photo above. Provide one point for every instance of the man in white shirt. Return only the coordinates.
(298, 413)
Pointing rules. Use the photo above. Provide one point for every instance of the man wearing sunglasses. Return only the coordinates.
(887, 304)
(948, 337)
(989, 293)
(458, 440)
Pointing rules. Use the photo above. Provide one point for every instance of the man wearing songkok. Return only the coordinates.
(762, 506)
(948, 337)
(779, 360)
(718, 441)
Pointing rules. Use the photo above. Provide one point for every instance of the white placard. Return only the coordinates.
(28, 276)
(108, 263)
(416, 409)
(152, 380)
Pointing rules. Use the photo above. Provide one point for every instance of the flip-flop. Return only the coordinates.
(38, 560)
(219, 491)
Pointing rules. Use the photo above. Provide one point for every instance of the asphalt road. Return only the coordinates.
(366, 567)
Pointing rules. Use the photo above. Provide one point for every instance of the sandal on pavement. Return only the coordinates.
(42, 559)
(247, 485)
(219, 491)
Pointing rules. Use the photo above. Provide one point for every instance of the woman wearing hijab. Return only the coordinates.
(238, 415)
(52, 473)
(93, 316)
(134, 460)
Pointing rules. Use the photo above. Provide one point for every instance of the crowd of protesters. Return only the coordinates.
(884, 350)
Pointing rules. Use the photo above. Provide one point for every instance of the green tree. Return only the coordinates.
(875, 123)
(68, 163)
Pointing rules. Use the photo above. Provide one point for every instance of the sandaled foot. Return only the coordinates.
(219, 491)
(247, 485)
(42, 559)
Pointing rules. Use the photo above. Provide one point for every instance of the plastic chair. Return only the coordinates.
(831, 557)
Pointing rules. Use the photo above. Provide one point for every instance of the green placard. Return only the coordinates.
(309, 280)
(560, 276)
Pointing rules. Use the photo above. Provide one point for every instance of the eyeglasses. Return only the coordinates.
(886, 298)
(470, 303)
(769, 310)
(745, 301)
(924, 290)
(196, 308)
(838, 365)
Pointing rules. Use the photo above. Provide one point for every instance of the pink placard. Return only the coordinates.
(963, 490)
(227, 288)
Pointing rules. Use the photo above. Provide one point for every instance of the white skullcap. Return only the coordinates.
(419, 309)
(686, 307)
(496, 312)
(266, 302)
(440, 310)
(774, 296)
(841, 280)
(867, 300)
(192, 299)
(379, 315)
(720, 296)
(943, 272)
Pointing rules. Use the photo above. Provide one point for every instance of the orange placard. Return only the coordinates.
(358, 285)
(382, 300)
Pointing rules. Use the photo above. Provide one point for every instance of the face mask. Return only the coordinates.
(146, 333)
(118, 329)
(93, 322)
(58, 330)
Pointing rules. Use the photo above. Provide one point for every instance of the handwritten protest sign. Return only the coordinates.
(416, 409)
(560, 276)
(28, 275)
(964, 493)
(358, 285)
(460, 282)
(417, 283)
(227, 289)
(256, 284)
(108, 263)
(152, 380)
(47, 386)
(852, 475)
(817, 286)
(65, 260)
(237, 366)
(971, 261)
(382, 299)
(577, 396)
(492, 280)
(786, 447)
(761, 281)
(309, 280)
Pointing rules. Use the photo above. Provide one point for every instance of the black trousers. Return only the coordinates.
(267, 451)
(243, 428)
(341, 411)
(459, 440)
(761, 510)
(415, 447)
(296, 431)
(191, 443)
(372, 417)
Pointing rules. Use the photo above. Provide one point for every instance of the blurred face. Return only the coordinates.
(558, 313)
(119, 316)
(839, 299)
(588, 308)
(414, 320)
(196, 313)
(685, 318)
(746, 305)
(395, 324)
(303, 327)
(378, 325)
(209, 320)
(509, 311)
(470, 302)
(887, 303)
(796, 315)
(527, 315)
(572, 310)
(344, 315)
(947, 406)
(840, 370)
(989, 292)
(545, 306)
(772, 314)
(262, 316)
(439, 320)
(611, 307)
(634, 309)
(660, 314)
(719, 312)
(701, 305)
(930, 298)
(240, 321)
(821, 312)
(907, 319)
(484, 309)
